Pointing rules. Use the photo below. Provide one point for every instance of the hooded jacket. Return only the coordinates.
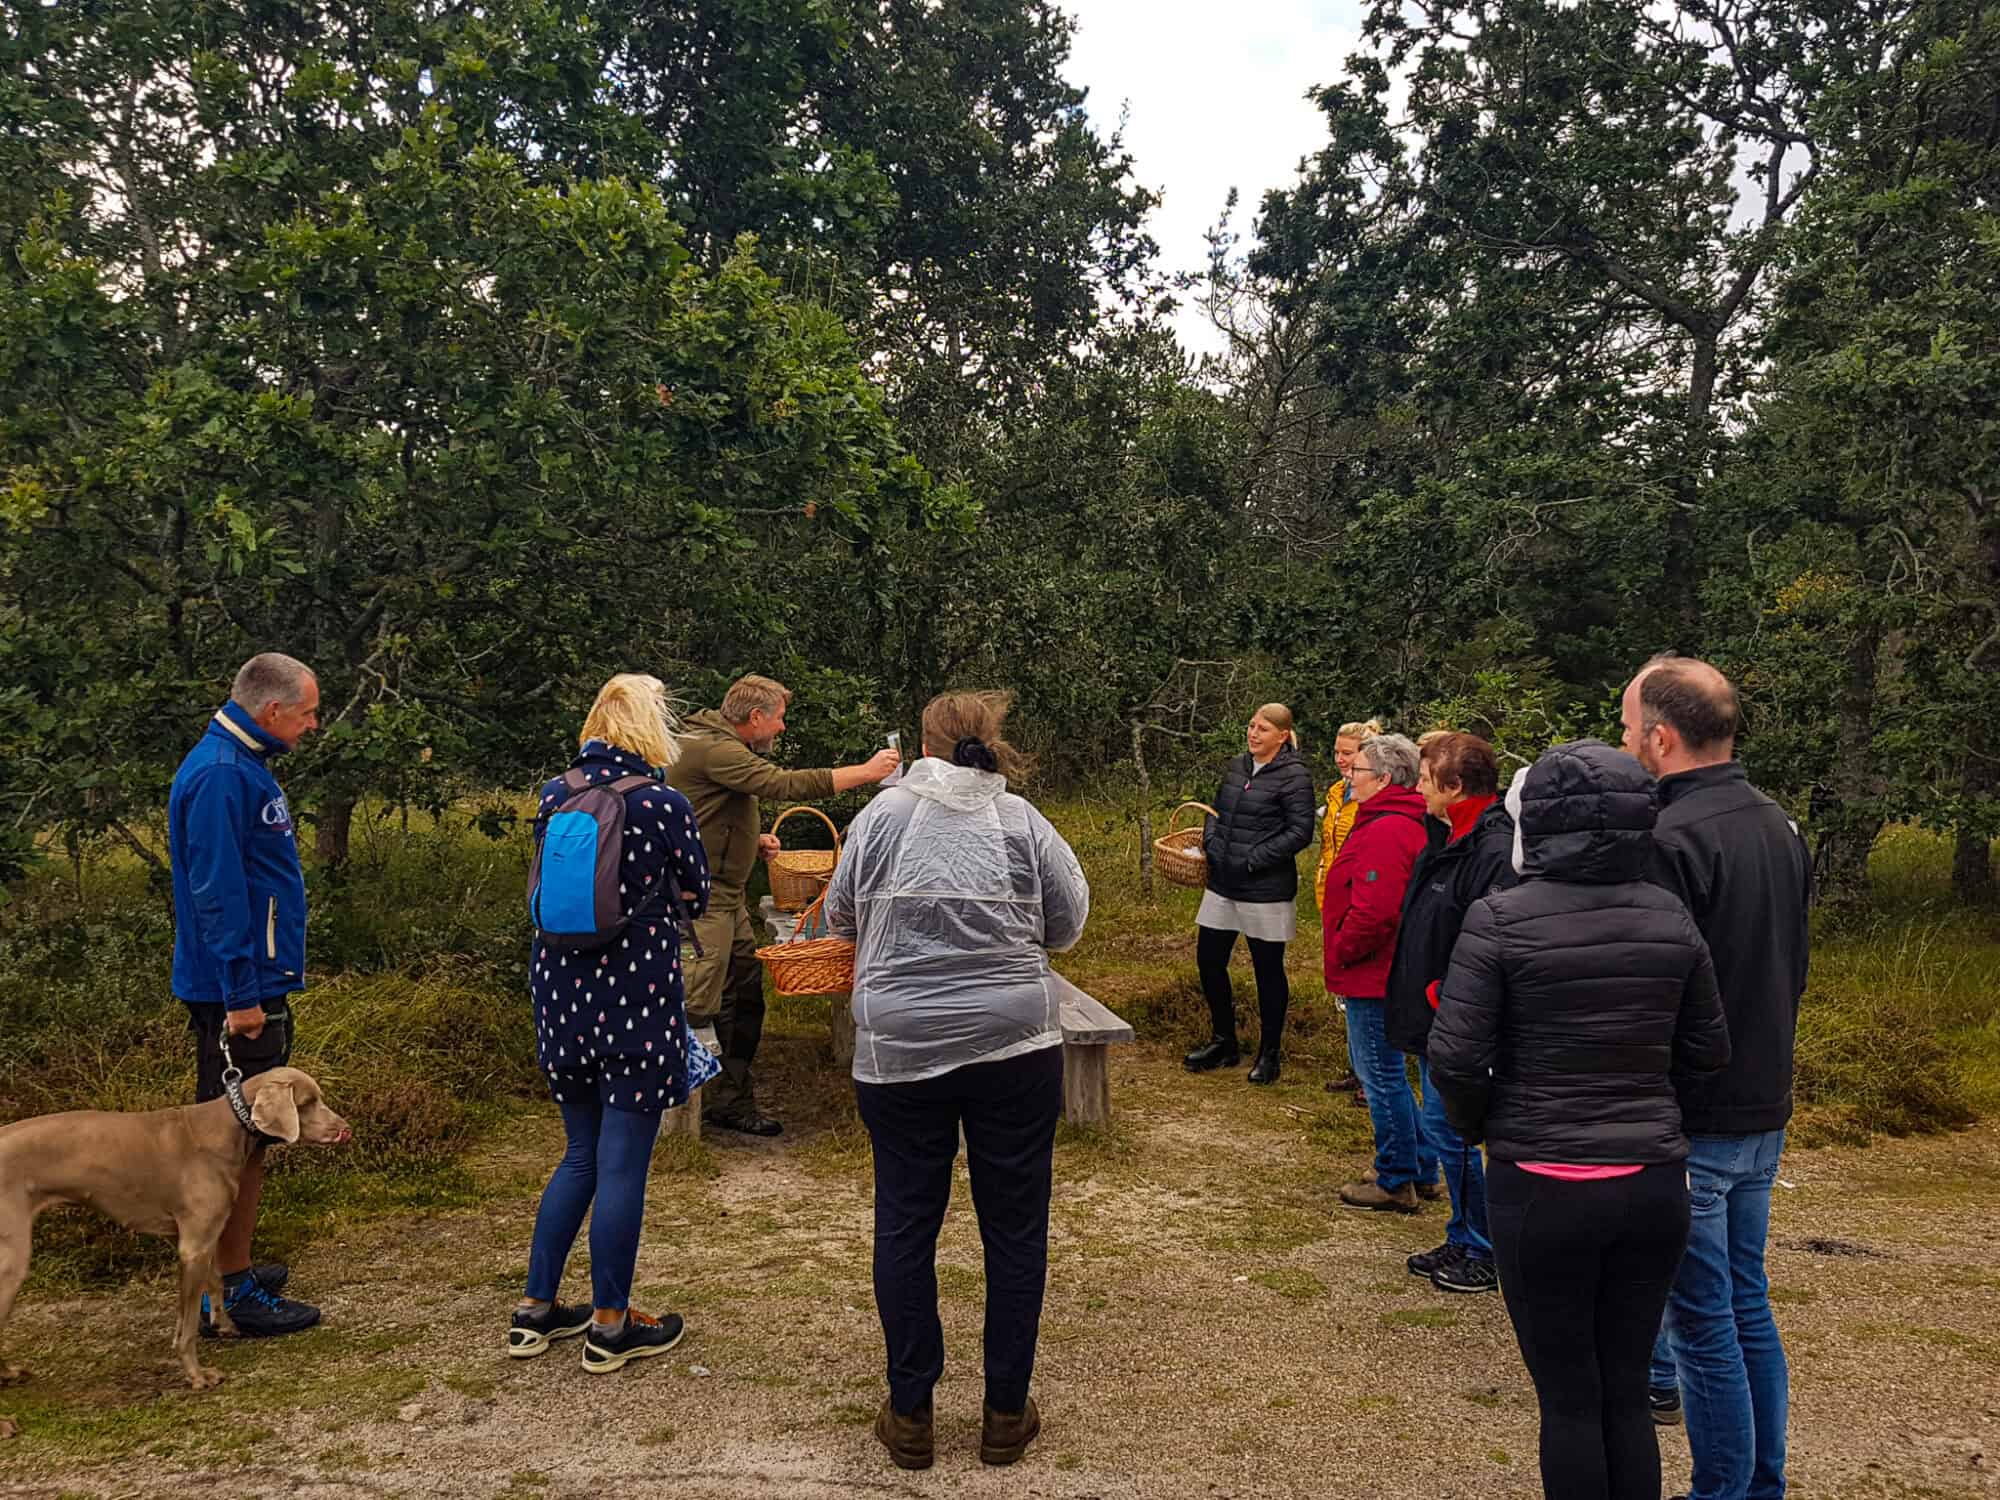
(1450, 875)
(724, 778)
(239, 892)
(1263, 818)
(1580, 1005)
(1363, 903)
(954, 891)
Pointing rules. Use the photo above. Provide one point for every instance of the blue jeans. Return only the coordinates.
(1401, 1154)
(1464, 1173)
(610, 1152)
(1720, 1339)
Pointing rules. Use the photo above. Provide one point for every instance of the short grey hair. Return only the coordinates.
(269, 677)
(1394, 755)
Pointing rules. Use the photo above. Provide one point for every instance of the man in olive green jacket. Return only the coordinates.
(722, 770)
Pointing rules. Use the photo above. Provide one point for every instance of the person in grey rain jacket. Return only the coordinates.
(955, 891)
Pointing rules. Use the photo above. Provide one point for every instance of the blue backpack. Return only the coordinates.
(573, 895)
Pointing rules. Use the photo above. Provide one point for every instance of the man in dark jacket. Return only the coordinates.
(1741, 866)
(723, 772)
(1471, 855)
(240, 932)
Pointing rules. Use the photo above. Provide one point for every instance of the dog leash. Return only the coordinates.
(232, 1089)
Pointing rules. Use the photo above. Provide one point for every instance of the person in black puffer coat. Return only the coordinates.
(1263, 818)
(1577, 1008)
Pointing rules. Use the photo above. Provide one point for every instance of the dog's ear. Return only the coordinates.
(275, 1111)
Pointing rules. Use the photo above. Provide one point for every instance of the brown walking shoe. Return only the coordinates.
(1371, 1195)
(1004, 1436)
(908, 1439)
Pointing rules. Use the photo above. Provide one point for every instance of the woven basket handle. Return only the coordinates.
(806, 919)
(1174, 823)
(803, 808)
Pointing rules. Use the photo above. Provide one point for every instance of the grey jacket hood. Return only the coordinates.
(960, 787)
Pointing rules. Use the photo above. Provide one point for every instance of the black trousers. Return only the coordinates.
(1009, 1110)
(1585, 1268)
(1212, 947)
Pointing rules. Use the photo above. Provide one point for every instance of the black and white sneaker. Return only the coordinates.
(1665, 1404)
(641, 1337)
(1467, 1275)
(1429, 1262)
(532, 1333)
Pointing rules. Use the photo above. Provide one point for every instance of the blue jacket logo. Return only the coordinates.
(277, 815)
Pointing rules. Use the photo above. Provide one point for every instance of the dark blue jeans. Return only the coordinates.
(1009, 1111)
(1721, 1338)
(1464, 1173)
(610, 1152)
(1401, 1154)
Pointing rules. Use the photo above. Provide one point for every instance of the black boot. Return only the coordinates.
(1265, 1069)
(1221, 1052)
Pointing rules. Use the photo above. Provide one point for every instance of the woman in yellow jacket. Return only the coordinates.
(1340, 809)
(1333, 829)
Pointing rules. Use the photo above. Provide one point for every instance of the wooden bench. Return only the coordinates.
(1089, 1028)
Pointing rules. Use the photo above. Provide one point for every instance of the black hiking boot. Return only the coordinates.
(1218, 1053)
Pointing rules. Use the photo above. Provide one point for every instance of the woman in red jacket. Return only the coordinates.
(1363, 905)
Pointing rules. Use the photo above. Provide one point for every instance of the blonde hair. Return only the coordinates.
(1360, 730)
(951, 718)
(632, 713)
(748, 694)
(1279, 718)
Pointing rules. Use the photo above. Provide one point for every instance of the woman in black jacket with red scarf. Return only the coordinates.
(1263, 818)
(1579, 1008)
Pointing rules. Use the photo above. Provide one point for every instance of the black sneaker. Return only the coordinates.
(532, 1333)
(260, 1313)
(753, 1123)
(1431, 1261)
(273, 1273)
(1467, 1275)
(1665, 1402)
(640, 1338)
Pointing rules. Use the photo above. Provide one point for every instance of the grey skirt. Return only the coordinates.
(1267, 921)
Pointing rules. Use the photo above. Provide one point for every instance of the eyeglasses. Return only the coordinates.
(1355, 768)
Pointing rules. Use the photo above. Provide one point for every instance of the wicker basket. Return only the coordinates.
(810, 966)
(1177, 854)
(798, 876)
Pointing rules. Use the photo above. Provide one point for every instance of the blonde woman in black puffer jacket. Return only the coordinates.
(1263, 818)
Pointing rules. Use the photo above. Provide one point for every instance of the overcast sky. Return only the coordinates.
(1216, 99)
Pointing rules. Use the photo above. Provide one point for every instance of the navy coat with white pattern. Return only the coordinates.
(614, 1019)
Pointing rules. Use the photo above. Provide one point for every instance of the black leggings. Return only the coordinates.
(1585, 1268)
(1212, 947)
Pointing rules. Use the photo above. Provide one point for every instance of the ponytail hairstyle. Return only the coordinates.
(1359, 730)
(1279, 718)
(968, 729)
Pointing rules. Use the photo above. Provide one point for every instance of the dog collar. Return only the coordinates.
(232, 1090)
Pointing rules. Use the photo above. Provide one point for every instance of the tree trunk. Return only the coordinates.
(335, 823)
(1972, 847)
(1145, 811)
(1681, 564)
(1849, 828)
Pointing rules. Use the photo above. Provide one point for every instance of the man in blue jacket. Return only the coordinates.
(240, 931)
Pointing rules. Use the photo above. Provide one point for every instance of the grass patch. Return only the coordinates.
(1290, 1283)
(1419, 1317)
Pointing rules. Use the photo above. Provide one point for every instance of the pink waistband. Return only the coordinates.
(1568, 1173)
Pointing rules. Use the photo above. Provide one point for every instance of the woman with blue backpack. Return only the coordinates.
(618, 875)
